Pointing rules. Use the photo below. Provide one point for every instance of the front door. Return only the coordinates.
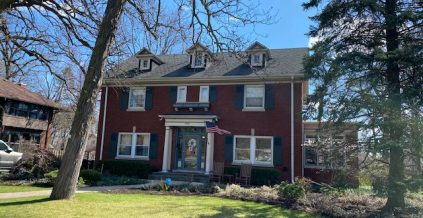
(190, 148)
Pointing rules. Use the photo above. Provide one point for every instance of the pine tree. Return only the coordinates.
(367, 67)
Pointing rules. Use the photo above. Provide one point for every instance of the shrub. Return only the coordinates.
(91, 177)
(291, 192)
(262, 194)
(259, 176)
(52, 176)
(33, 165)
(119, 180)
(128, 168)
(344, 179)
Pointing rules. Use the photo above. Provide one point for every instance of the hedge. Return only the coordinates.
(130, 168)
(259, 176)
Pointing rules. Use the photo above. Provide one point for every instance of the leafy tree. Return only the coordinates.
(367, 67)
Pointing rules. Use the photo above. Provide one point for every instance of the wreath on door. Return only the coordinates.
(191, 144)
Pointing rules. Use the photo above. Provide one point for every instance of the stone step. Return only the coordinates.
(187, 177)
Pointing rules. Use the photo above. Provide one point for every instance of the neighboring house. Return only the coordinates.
(329, 152)
(25, 116)
(154, 108)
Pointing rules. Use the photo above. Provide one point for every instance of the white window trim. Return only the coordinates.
(262, 108)
(142, 64)
(208, 95)
(252, 160)
(178, 95)
(133, 146)
(130, 96)
(193, 65)
(318, 153)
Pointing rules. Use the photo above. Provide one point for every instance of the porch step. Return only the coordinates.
(180, 176)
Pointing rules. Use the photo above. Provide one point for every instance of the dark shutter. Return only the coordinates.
(113, 145)
(153, 146)
(239, 97)
(124, 98)
(173, 94)
(212, 94)
(190, 60)
(229, 147)
(269, 97)
(148, 98)
(277, 150)
(263, 60)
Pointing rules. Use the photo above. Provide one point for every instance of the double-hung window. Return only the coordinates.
(182, 94)
(145, 64)
(133, 145)
(254, 97)
(329, 153)
(136, 98)
(204, 94)
(257, 60)
(256, 150)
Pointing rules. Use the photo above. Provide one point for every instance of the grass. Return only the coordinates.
(19, 188)
(140, 205)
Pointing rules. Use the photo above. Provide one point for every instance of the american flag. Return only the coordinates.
(213, 128)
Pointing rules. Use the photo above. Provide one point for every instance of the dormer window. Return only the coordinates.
(145, 64)
(199, 60)
(257, 60)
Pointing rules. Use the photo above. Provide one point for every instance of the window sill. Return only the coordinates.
(253, 110)
(130, 158)
(254, 164)
(136, 109)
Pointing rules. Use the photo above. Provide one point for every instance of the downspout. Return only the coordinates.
(292, 131)
(104, 123)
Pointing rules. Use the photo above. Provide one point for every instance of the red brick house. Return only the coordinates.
(25, 116)
(154, 109)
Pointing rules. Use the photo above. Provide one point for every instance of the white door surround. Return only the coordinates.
(185, 121)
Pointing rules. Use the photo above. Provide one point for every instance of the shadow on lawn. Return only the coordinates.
(17, 203)
(252, 211)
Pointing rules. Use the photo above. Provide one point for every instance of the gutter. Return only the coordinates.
(292, 132)
(104, 123)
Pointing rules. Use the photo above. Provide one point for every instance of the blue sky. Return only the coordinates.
(290, 29)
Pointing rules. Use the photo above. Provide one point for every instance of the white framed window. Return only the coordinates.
(136, 99)
(182, 94)
(145, 64)
(257, 59)
(133, 145)
(198, 60)
(204, 94)
(254, 97)
(256, 150)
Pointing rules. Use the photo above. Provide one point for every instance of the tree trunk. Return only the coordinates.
(396, 186)
(65, 185)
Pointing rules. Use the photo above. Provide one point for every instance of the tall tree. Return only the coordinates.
(67, 178)
(365, 67)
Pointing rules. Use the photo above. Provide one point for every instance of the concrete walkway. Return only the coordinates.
(150, 183)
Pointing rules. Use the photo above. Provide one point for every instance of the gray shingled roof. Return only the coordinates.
(283, 62)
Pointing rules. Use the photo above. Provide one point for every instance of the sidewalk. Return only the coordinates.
(150, 183)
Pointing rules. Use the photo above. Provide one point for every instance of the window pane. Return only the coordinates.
(3, 146)
(204, 94)
(311, 156)
(182, 94)
(254, 97)
(256, 59)
(264, 143)
(142, 139)
(198, 60)
(124, 150)
(141, 151)
(137, 98)
(242, 149)
(264, 149)
(125, 139)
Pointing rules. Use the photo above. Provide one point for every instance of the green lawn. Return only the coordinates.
(19, 188)
(140, 205)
